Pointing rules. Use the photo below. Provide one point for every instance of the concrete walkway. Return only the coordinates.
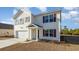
(12, 41)
(8, 42)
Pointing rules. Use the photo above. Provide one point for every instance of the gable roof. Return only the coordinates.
(6, 26)
(21, 11)
(56, 11)
(34, 25)
(18, 14)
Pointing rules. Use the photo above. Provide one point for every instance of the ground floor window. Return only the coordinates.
(49, 32)
(45, 32)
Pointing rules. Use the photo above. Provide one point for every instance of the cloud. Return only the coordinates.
(76, 20)
(7, 21)
(42, 9)
(65, 16)
(69, 15)
(74, 13)
(70, 8)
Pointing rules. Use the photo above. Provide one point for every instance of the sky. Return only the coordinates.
(70, 15)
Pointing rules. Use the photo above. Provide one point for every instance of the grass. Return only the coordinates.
(42, 46)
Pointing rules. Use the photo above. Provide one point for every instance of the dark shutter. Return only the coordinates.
(54, 32)
(54, 17)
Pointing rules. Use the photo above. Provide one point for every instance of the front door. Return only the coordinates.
(33, 34)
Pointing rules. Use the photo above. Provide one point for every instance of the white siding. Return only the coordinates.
(39, 21)
(51, 25)
(22, 27)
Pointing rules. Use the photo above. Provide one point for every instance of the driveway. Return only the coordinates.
(11, 41)
(8, 42)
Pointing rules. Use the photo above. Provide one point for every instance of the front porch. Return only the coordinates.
(34, 31)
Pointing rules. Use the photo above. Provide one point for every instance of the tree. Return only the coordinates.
(76, 32)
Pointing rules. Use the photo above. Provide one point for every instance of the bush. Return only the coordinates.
(70, 32)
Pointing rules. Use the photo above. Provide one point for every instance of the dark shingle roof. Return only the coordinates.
(6, 26)
(33, 25)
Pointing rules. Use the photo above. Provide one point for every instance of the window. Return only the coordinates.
(49, 33)
(54, 32)
(54, 17)
(16, 22)
(27, 19)
(45, 32)
(45, 19)
(49, 18)
(21, 21)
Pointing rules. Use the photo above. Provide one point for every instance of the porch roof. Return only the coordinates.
(35, 25)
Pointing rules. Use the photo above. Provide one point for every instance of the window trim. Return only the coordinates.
(27, 19)
(49, 33)
(49, 18)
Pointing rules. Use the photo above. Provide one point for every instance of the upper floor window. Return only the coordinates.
(21, 21)
(27, 19)
(54, 17)
(16, 22)
(49, 18)
(45, 19)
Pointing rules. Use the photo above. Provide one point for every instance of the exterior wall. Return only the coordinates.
(39, 20)
(22, 27)
(50, 25)
(6, 32)
(33, 19)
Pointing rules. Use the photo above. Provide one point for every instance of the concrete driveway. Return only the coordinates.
(8, 42)
(11, 41)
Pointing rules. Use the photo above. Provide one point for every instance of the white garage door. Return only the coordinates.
(22, 34)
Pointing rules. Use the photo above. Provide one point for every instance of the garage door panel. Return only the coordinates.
(22, 34)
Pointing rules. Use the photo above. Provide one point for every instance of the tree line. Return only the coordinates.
(67, 31)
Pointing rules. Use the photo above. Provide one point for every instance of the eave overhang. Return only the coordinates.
(17, 14)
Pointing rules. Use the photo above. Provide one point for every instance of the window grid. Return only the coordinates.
(49, 18)
(49, 33)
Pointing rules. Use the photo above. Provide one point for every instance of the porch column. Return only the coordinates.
(36, 34)
(29, 33)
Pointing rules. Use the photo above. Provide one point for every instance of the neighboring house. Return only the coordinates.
(35, 27)
(6, 30)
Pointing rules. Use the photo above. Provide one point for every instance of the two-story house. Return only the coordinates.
(35, 27)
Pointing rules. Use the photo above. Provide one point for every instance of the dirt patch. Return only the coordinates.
(42, 46)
